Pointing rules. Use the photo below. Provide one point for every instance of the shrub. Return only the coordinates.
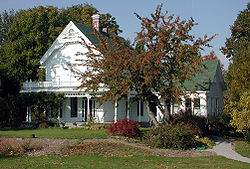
(10, 147)
(97, 126)
(178, 136)
(125, 127)
(205, 141)
(43, 125)
(27, 125)
(197, 124)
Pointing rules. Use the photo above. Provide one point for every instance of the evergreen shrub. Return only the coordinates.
(178, 136)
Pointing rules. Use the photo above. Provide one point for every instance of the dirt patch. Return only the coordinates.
(163, 152)
(54, 146)
(47, 146)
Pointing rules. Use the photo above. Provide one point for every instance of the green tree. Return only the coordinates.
(240, 112)
(28, 39)
(165, 56)
(6, 19)
(237, 49)
(82, 14)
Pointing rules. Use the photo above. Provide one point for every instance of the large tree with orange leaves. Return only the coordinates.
(165, 56)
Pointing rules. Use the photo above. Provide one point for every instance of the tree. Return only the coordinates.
(210, 56)
(237, 49)
(82, 14)
(237, 79)
(166, 55)
(6, 19)
(240, 113)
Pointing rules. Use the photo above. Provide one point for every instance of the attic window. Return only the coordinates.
(71, 32)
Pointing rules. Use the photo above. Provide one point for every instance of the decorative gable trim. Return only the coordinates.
(70, 35)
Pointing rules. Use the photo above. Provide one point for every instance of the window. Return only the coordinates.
(197, 106)
(142, 109)
(73, 107)
(126, 108)
(138, 108)
(176, 106)
(188, 105)
(61, 110)
(216, 106)
(197, 103)
(92, 107)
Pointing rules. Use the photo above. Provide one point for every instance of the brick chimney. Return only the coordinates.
(96, 21)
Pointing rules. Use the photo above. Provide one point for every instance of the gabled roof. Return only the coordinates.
(89, 33)
(203, 81)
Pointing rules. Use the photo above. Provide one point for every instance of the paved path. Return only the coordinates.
(224, 148)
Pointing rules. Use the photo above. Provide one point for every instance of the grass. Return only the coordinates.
(136, 161)
(243, 148)
(100, 155)
(56, 133)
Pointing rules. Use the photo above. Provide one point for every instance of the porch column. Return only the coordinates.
(128, 98)
(158, 114)
(192, 103)
(27, 114)
(139, 104)
(59, 113)
(88, 111)
(116, 110)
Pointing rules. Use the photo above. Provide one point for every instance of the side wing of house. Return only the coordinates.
(215, 94)
(207, 100)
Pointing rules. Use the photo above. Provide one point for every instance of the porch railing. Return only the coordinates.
(50, 84)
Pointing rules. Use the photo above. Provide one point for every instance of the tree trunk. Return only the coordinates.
(151, 114)
(166, 112)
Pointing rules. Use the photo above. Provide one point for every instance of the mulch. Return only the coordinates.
(54, 146)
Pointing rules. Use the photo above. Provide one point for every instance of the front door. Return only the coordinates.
(86, 108)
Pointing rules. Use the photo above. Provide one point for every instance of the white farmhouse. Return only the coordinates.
(79, 106)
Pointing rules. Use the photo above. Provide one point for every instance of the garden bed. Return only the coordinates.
(54, 146)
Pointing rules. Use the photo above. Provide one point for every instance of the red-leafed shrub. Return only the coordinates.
(43, 125)
(125, 127)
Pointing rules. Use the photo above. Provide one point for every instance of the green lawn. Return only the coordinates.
(136, 161)
(243, 148)
(104, 155)
(56, 133)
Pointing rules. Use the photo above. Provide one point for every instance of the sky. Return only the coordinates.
(212, 16)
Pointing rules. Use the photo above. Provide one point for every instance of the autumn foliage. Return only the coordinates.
(210, 56)
(125, 127)
(162, 57)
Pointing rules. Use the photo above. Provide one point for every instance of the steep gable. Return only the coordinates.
(70, 34)
(203, 81)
